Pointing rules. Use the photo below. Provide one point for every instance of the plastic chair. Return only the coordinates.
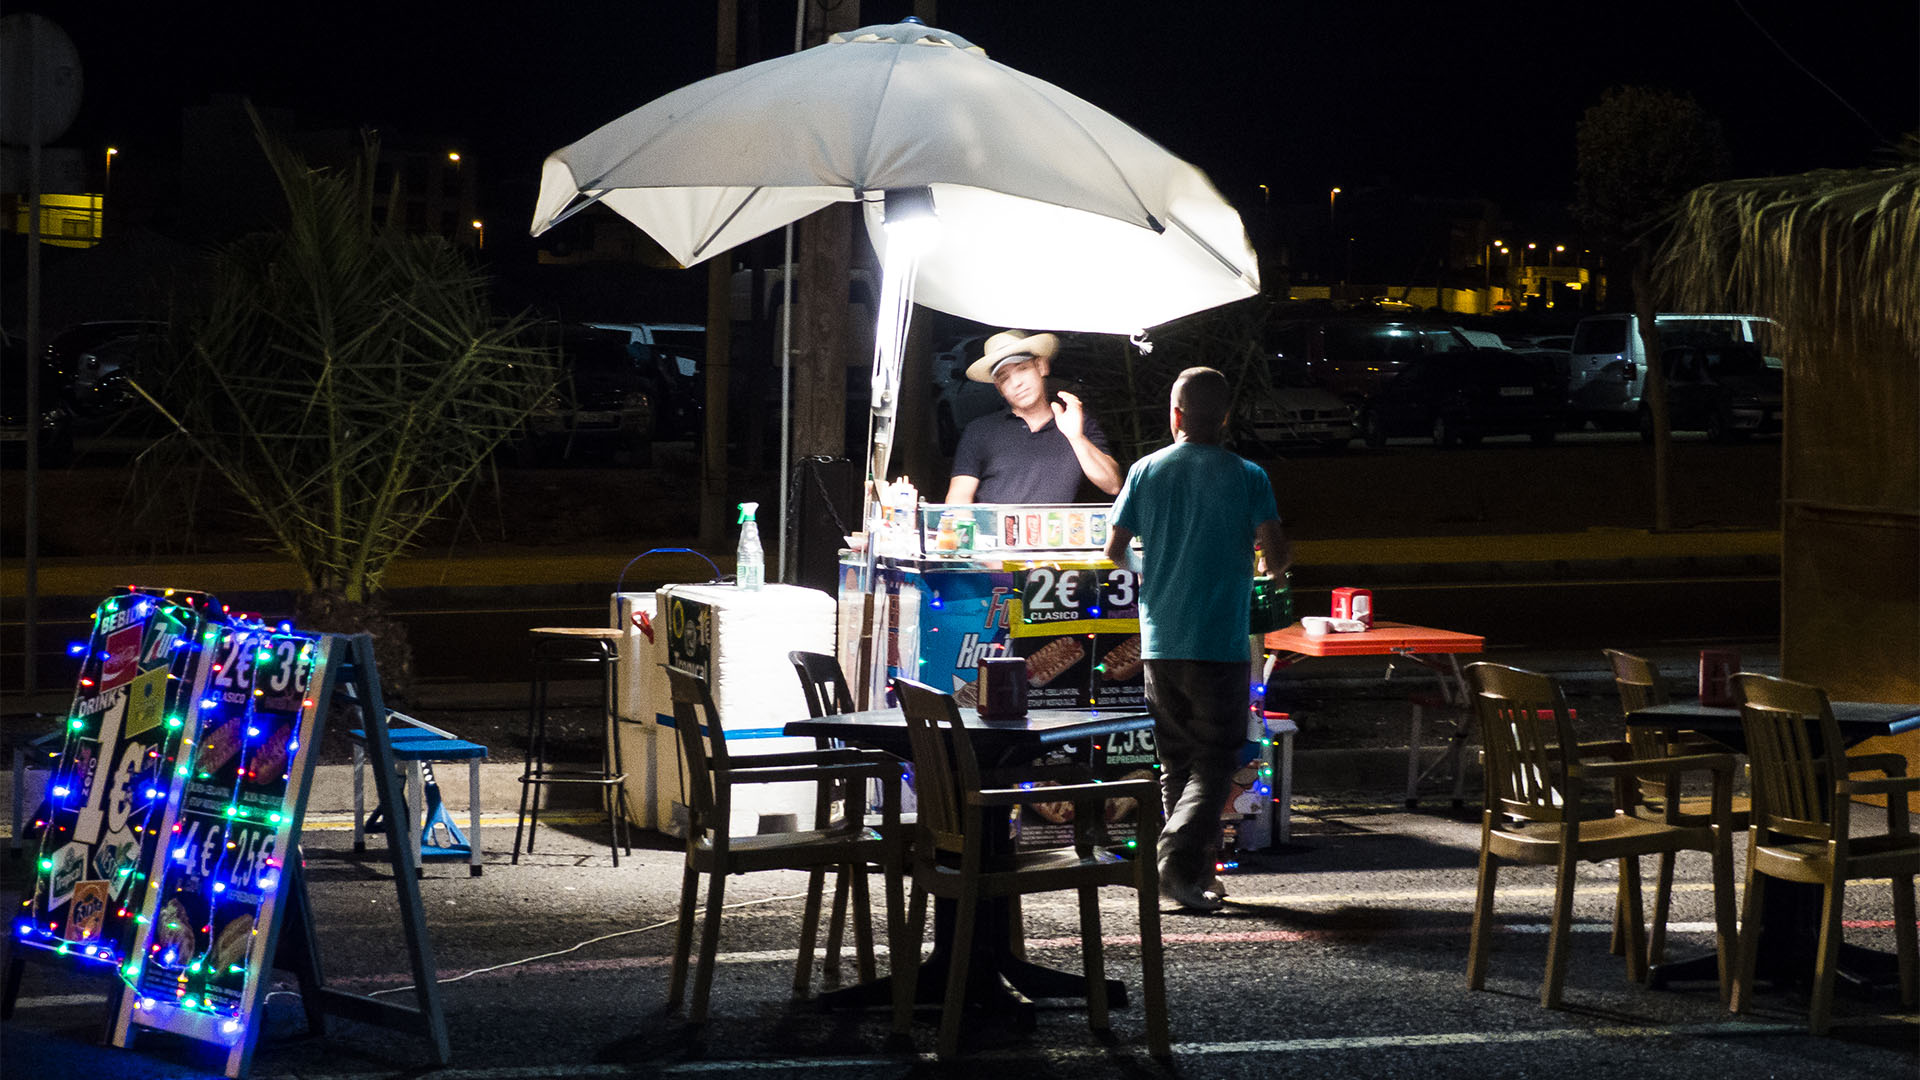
(952, 860)
(1640, 685)
(1802, 800)
(1536, 773)
(712, 774)
(825, 688)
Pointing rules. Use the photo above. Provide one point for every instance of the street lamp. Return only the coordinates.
(1557, 249)
(1331, 197)
(480, 234)
(453, 156)
(112, 152)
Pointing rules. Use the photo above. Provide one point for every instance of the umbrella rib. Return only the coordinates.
(574, 208)
(1206, 247)
(1021, 77)
(715, 234)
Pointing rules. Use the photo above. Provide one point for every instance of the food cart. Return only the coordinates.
(932, 590)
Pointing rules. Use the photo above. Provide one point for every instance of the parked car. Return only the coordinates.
(56, 419)
(1608, 368)
(1462, 396)
(1295, 408)
(1726, 390)
(601, 406)
(1354, 356)
(670, 357)
(94, 360)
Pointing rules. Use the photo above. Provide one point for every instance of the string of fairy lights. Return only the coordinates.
(186, 723)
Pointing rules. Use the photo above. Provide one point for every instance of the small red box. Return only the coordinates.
(1356, 604)
(1716, 676)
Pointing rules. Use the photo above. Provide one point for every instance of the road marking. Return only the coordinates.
(617, 964)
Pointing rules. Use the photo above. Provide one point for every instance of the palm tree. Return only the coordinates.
(1830, 255)
(346, 380)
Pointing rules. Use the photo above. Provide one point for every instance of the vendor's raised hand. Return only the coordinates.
(1069, 416)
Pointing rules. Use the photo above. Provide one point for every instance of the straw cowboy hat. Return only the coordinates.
(1011, 346)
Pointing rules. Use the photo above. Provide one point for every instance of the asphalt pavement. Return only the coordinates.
(1343, 953)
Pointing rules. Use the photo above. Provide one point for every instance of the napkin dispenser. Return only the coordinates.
(1003, 687)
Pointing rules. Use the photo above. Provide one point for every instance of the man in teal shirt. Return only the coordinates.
(1198, 509)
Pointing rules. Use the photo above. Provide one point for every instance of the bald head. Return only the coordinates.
(1202, 396)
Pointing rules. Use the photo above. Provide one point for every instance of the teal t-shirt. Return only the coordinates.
(1194, 507)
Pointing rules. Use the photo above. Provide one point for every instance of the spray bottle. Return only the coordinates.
(750, 563)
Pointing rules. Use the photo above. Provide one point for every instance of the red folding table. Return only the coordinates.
(1436, 650)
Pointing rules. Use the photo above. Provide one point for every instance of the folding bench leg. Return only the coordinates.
(417, 792)
(473, 817)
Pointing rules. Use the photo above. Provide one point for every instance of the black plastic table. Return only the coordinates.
(1788, 932)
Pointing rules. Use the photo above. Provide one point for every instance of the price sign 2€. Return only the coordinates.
(1054, 594)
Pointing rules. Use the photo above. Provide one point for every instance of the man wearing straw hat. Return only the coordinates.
(1037, 450)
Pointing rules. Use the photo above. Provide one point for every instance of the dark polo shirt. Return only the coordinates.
(1016, 465)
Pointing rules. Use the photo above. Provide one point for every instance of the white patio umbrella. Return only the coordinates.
(1052, 214)
(1055, 214)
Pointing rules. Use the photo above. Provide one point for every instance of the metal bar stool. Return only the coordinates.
(552, 645)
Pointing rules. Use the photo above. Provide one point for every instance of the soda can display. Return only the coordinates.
(1056, 528)
(1097, 529)
(1077, 528)
(1033, 530)
(1010, 526)
(963, 535)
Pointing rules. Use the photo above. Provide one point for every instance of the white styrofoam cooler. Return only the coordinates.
(641, 676)
(754, 688)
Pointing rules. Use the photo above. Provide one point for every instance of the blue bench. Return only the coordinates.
(436, 838)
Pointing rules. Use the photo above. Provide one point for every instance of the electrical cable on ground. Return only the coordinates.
(558, 952)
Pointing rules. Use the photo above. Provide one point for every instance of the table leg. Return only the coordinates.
(1789, 936)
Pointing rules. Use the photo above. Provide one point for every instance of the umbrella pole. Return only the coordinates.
(786, 398)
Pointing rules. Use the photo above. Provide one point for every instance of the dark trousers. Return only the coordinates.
(1199, 725)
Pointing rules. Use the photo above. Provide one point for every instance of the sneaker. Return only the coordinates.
(1192, 897)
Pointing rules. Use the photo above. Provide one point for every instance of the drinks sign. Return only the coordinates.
(107, 791)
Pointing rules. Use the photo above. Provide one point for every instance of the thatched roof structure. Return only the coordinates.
(1834, 258)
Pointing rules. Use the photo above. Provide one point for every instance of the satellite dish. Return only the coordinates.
(39, 73)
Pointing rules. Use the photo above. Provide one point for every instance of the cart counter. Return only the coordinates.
(1064, 607)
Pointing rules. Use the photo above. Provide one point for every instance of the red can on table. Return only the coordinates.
(1356, 604)
(1716, 676)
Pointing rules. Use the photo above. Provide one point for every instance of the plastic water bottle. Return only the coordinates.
(749, 562)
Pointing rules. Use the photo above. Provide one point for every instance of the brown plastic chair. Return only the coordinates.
(824, 687)
(712, 774)
(1801, 829)
(952, 861)
(1640, 685)
(1536, 773)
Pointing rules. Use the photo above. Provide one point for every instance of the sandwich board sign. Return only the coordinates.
(225, 890)
(99, 827)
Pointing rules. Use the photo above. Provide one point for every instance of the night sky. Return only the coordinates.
(1437, 98)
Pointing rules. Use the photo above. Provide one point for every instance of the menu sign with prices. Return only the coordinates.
(1077, 625)
(108, 790)
(199, 965)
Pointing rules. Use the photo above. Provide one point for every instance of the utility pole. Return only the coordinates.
(713, 462)
(823, 266)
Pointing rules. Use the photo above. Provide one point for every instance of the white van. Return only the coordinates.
(1609, 365)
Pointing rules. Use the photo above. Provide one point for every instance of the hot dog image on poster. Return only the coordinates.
(223, 861)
